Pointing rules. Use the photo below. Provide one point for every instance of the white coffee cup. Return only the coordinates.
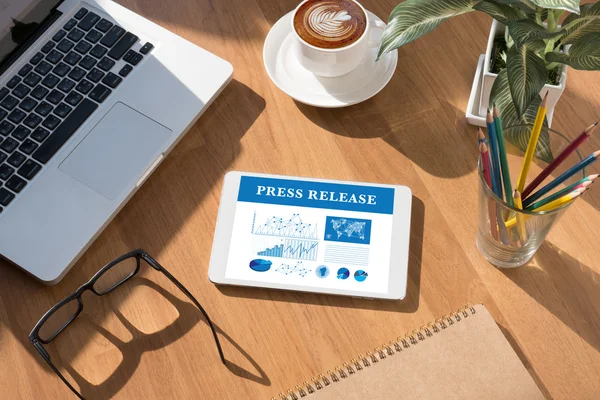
(337, 61)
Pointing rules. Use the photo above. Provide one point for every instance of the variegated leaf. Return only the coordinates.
(500, 12)
(583, 54)
(577, 26)
(414, 18)
(569, 5)
(519, 136)
(526, 30)
(527, 75)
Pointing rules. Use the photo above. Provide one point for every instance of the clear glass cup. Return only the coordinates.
(518, 234)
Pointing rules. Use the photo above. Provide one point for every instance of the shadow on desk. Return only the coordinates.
(565, 287)
(409, 304)
(85, 331)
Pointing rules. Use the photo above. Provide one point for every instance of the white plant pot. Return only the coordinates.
(488, 78)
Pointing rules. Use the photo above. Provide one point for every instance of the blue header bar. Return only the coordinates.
(334, 196)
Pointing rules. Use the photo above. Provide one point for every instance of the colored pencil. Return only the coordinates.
(520, 218)
(487, 173)
(585, 182)
(561, 201)
(481, 137)
(559, 159)
(562, 178)
(531, 146)
(503, 159)
(493, 141)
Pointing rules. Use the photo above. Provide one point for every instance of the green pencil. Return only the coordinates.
(503, 159)
(588, 180)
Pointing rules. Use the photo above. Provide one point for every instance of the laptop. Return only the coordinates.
(92, 98)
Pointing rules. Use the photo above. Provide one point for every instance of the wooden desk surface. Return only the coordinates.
(146, 341)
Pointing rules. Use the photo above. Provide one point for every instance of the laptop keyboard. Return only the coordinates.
(50, 97)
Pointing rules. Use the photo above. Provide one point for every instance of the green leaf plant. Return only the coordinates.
(535, 42)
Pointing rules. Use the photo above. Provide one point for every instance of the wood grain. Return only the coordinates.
(147, 341)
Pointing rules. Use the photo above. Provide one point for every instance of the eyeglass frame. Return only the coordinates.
(139, 254)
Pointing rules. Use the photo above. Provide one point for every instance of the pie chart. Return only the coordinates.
(360, 275)
(343, 273)
(260, 265)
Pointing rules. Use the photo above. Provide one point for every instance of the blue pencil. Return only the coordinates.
(565, 175)
(493, 140)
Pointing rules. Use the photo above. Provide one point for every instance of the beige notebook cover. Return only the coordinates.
(462, 356)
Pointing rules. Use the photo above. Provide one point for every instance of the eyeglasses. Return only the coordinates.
(105, 281)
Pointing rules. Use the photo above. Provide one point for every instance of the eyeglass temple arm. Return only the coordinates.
(40, 348)
(159, 267)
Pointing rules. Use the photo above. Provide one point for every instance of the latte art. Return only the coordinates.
(330, 23)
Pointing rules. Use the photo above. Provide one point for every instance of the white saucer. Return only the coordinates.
(356, 86)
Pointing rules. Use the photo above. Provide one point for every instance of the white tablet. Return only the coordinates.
(312, 235)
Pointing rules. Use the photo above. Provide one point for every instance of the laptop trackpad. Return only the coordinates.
(117, 151)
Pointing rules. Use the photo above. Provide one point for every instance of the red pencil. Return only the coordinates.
(487, 173)
(559, 159)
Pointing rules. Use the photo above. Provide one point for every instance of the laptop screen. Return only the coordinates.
(19, 19)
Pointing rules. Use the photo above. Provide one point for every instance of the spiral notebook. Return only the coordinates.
(460, 356)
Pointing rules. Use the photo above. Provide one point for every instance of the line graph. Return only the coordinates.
(292, 227)
(293, 248)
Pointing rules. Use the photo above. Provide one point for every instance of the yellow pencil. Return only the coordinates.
(520, 219)
(533, 139)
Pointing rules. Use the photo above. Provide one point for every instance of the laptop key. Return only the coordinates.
(29, 169)
(15, 183)
(16, 159)
(9, 102)
(9, 145)
(5, 197)
(70, 24)
(39, 92)
(21, 132)
(84, 86)
(3, 113)
(128, 55)
(66, 85)
(112, 80)
(65, 45)
(83, 47)
(50, 81)
(44, 109)
(6, 171)
(146, 48)
(87, 62)
(88, 21)
(43, 68)
(36, 58)
(32, 121)
(28, 146)
(14, 81)
(54, 56)
(59, 35)
(61, 69)
(64, 131)
(81, 13)
(112, 36)
(48, 46)
(76, 74)
(72, 58)
(106, 64)
(95, 75)
(3, 157)
(25, 70)
(98, 51)
(55, 96)
(51, 122)
(40, 134)
(73, 98)
(100, 93)
(93, 36)
(104, 25)
(122, 46)
(28, 104)
(62, 110)
(32, 79)
(76, 35)
(3, 92)
(16, 116)
(125, 70)
(21, 91)
(6, 128)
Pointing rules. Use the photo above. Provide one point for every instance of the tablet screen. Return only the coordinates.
(311, 233)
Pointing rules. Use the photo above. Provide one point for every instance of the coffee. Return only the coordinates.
(330, 24)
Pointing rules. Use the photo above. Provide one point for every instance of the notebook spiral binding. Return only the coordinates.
(379, 353)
